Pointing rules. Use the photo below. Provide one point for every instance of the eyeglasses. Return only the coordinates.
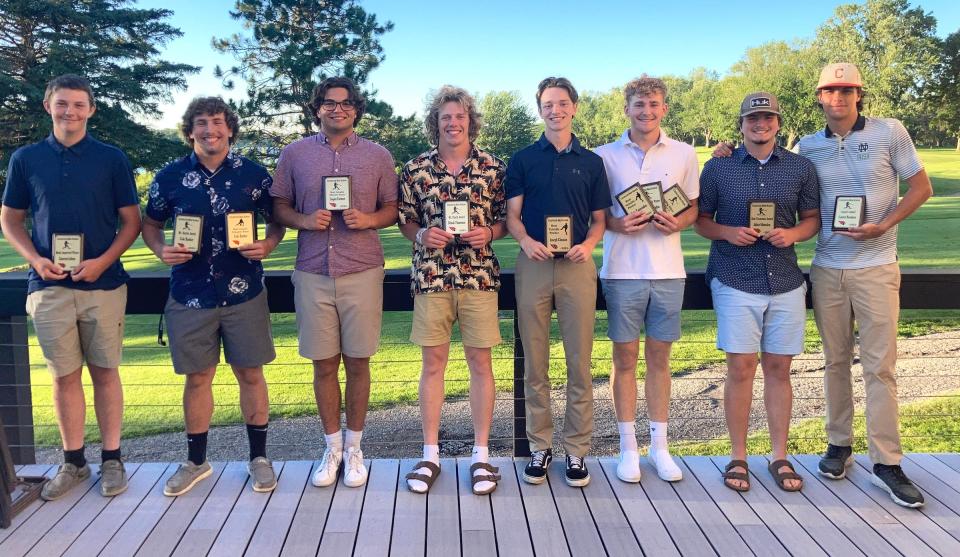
(331, 106)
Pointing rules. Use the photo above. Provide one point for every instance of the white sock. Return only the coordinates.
(481, 454)
(628, 436)
(658, 436)
(352, 438)
(334, 440)
(431, 453)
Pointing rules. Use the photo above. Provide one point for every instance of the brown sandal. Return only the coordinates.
(493, 476)
(434, 472)
(781, 477)
(742, 476)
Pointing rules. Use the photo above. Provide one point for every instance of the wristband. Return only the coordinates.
(419, 237)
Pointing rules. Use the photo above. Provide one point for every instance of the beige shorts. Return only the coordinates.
(338, 315)
(74, 326)
(435, 312)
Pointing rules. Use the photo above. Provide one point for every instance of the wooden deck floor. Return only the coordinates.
(697, 516)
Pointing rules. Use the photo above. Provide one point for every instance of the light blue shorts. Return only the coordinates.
(751, 323)
(635, 305)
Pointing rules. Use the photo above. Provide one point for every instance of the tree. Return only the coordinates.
(894, 46)
(706, 109)
(790, 73)
(113, 45)
(293, 45)
(945, 92)
(508, 124)
(600, 118)
(402, 136)
(672, 123)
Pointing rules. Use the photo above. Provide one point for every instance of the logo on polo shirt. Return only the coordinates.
(862, 152)
(760, 101)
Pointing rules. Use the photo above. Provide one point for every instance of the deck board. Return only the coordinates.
(45, 518)
(24, 471)
(739, 510)
(695, 516)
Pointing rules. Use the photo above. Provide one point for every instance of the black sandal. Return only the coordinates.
(781, 477)
(493, 476)
(414, 475)
(744, 476)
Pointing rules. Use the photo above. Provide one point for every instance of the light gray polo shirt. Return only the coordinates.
(869, 161)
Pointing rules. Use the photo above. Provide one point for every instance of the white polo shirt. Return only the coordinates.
(869, 161)
(648, 254)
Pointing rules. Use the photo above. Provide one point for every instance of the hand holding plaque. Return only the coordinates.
(241, 229)
(188, 232)
(337, 193)
(558, 234)
(763, 215)
(849, 211)
(675, 201)
(67, 251)
(456, 216)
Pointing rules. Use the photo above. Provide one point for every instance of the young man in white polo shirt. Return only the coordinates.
(643, 274)
(855, 274)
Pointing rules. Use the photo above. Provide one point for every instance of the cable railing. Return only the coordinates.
(930, 382)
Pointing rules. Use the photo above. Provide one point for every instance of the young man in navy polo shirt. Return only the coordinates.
(75, 185)
(217, 293)
(556, 177)
(758, 290)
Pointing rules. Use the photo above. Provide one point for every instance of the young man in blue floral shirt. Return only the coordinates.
(216, 294)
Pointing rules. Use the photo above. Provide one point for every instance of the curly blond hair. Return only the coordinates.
(446, 94)
(644, 85)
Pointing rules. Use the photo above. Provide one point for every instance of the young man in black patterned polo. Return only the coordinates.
(455, 274)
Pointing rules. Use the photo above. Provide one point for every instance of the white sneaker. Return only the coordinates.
(628, 469)
(355, 472)
(667, 469)
(326, 473)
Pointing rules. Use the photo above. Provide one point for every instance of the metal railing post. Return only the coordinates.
(16, 405)
(521, 446)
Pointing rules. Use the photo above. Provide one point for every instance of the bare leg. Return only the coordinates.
(198, 400)
(778, 401)
(656, 387)
(70, 405)
(108, 404)
(358, 391)
(326, 389)
(432, 390)
(624, 380)
(737, 400)
(482, 392)
(254, 401)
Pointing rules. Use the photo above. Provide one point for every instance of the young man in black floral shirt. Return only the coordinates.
(455, 275)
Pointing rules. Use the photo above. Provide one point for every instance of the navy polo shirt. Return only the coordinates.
(217, 276)
(569, 182)
(727, 185)
(72, 190)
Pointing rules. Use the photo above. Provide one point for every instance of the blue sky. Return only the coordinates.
(510, 45)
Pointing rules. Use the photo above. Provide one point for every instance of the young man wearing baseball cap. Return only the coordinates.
(855, 274)
(759, 292)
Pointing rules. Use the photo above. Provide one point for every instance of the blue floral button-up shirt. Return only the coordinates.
(217, 276)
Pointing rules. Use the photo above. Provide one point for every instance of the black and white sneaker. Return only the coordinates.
(577, 474)
(834, 463)
(536, 470)
(892, 480)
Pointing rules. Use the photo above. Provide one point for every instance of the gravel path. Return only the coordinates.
(927, 366)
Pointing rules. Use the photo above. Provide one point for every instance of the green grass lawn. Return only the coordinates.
(927, 240)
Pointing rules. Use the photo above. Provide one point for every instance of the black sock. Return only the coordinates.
(197, 447)
(75, 457)
(257, 435)
(106, 455)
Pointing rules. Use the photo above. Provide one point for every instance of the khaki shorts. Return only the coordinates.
(339, 315)
(435, 312)
(74, 326)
